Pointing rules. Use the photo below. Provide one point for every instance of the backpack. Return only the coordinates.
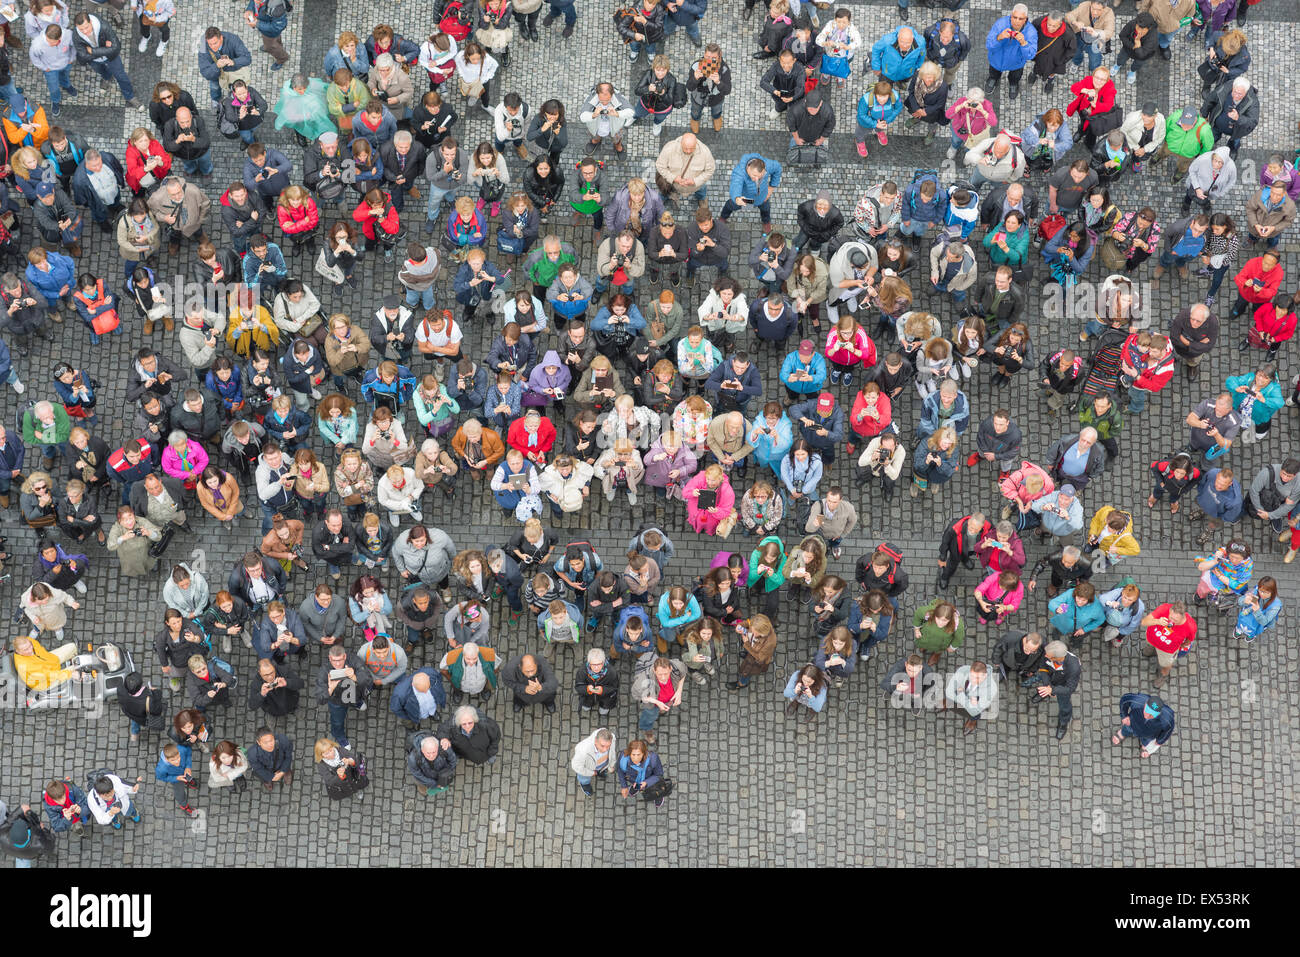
(455, 20)
(895, 553)
(1050, 226)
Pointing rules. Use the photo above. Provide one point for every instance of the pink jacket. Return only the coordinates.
(965, 122)
(707, 521)
(1013, 486)
(992, 593)
(836, 352)
(198, 461)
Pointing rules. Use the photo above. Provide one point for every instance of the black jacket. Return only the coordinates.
(669, 92)
(328, 187)
(1147, 49)
(187, 150)
(1054, 53)
(1009, 310)
(139, 707)
(265, 764)
(232, 214)
(512, 676)
(281, 701)
(414, 168)
(991, 207)
(238, 582)
(934, 103)
(819, 229)
(176, 652)
(201, 426)
(197, 689)
(810, 127)
(893, 584)
(365, 681)
(109, 47)
(925, 681)
(1012, 656)
(715, 255)
(481, 744)
(440, 124)
(48, 217)
(331, 548)
(40, 838)
(713, 95)
(1062, 577)
(779, 83)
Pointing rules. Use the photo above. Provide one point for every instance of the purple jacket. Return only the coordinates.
(656, 473)
(1216, 17)
(540, 379)
(720, 561)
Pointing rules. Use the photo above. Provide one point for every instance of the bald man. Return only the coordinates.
(532, 681)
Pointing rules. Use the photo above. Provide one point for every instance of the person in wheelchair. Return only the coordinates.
(42, 670)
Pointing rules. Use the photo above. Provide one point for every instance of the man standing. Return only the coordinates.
(593, 756)
(271, 759)
(341, 685)
(683, 168)
(1012, 42)
(1147, 718)
(1058, 677)
(753, 180)
(98, 47)
(270, 17)
(1274, 493)
(532, 681)
(973, 692)
(1170, 633)
(223, 59)
(180, 208)
(185, 136)
(51, 52)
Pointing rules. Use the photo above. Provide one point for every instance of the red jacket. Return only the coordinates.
(388, 222)
(300, 220)
(1082, 105)
(135, 164)
(1279, 328)
(1154, 372)
(868, 427)
(517, 437)
(1251, 271)
(1171, 638)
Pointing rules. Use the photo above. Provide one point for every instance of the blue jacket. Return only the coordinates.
(750, 382)
(7, 364)
(83, 194)
(377, 137)
(639, 776)
(886, 58)
(834, 424)
(166, 771)
(620, 630)
(811, 474)
(63, 272)
(275, 184)
(871, 112)
(665, 617)
(12, 455)
(59, 823)
(951, 212)
(688, 12)
(297, 421)
(298, 374)
(1067, 617)
(742, 187)
(1224, 505)
(1078, 264)
(1251, 623)
(252, 265)
(954, 52)
(635, 321)
(941, 472)
(231, 46)
(1158, 729)
(815, 367)
(1008, 54)
(359, 65)
(230, 392)
(475, 392)
(770, 449)
(816, 703)
(402, 387)
(1124, 620)
(404, 703)
(959, 420)
(268, 25)
(461, 283)
(916, 209)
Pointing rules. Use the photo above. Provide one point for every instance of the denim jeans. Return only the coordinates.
(764, 210)
(958, 295)
(11, 94)
(247, 137)
(881, 631)
(1137, 400)
(650, 48)
(202, 165)
(113, 69)
(602, 283)
(56, 81)
(584, 780)
(338, 721)
(414, 297)
(1094, 55)
(692, 29)
(569, 12)
(1163, 39)
(913, 227)
(1133, 65)
(647, 719)
(1168, 260)
(436, 196)
(638, 111)
(135, 726)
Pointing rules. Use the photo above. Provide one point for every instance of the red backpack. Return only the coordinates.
(1050, 226)
(455, 20)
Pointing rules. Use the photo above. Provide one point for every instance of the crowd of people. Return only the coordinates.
(635, 367)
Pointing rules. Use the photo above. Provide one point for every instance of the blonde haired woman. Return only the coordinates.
(343, 772)
(434, 467)
(399, 492)
(250, 326)
(705, 519)
(691, 421)
(354, 480)
(620, 467)
(934, 461)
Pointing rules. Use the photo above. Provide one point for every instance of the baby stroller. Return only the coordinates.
(1103, 374)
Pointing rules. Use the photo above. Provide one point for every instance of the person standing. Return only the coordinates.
(98, 47)
(51, 52)
(154, 13)
(1170, 632)
(593, 757)
(1147, 718)
(270, 17)
(1058, 677)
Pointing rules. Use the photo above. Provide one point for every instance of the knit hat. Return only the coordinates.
(825, 403)
(328, 138)
(20, 834)
(824, 194)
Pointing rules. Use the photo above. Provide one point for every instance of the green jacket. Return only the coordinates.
(456, 666)
(777, 578)
(1191, 143)
(542, 271)
(1108, 426)
(62, 427)
(934, 639)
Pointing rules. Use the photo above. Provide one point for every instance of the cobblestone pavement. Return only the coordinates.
(871, 785)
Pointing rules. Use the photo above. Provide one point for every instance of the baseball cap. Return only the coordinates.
(1187, 117)
(858, 258)
(806, 347)
(1067, 489)
(825, 402)
(43, 189)
(328, 138)
(1150, 108)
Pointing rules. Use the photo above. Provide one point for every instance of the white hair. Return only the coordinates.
(1241, 83)
(466, 713)
(595, 657)
(1089, 433)
(1021, 9)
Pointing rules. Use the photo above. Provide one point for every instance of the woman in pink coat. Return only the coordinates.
(1023, 487)
(705, 520)
(847, 347)
(183, 459)
(999, 596)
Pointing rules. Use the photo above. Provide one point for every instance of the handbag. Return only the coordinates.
(157, 548)
(659, 790)
(726, 526)
(491, 190)
(105, 322)
(1112, 254)
(333, 273)
(228, 128)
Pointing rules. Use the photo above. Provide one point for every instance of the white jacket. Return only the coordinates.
(976, 699)
(568, 491)
(623, 115)
(121, 795)
(586, 759)
(893, 466)
(399, 500)
(290, 316)
(1132, 130)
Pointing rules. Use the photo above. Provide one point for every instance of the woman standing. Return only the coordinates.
(640, 772)
(934, 461)
(1009, 354)
(937, 627)
(766, 575)
(677, 609)
(343, 772)
(806, 692)
(704, 648)
(805, 568)
(228, 766)
(757, 646)
(130, 537)
(370, 606)
(837, 655)
(1258, 610)
(354, 481)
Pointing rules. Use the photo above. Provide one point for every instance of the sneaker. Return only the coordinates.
(134, 104)
(609, 494)
(882, 138)
(659, 802)
(774, 114)
(56, 109)
(433, 792)
(162, 48)
(144, 44)
(835, 376)
(70, 91)
(847, 378)
(397, 522)
(586, 789)
(1130, 78)
(631, 497)
(862, 150)
(19, 387)
(836, 552)
(135, 814)
(80, 587)
(567, 31)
